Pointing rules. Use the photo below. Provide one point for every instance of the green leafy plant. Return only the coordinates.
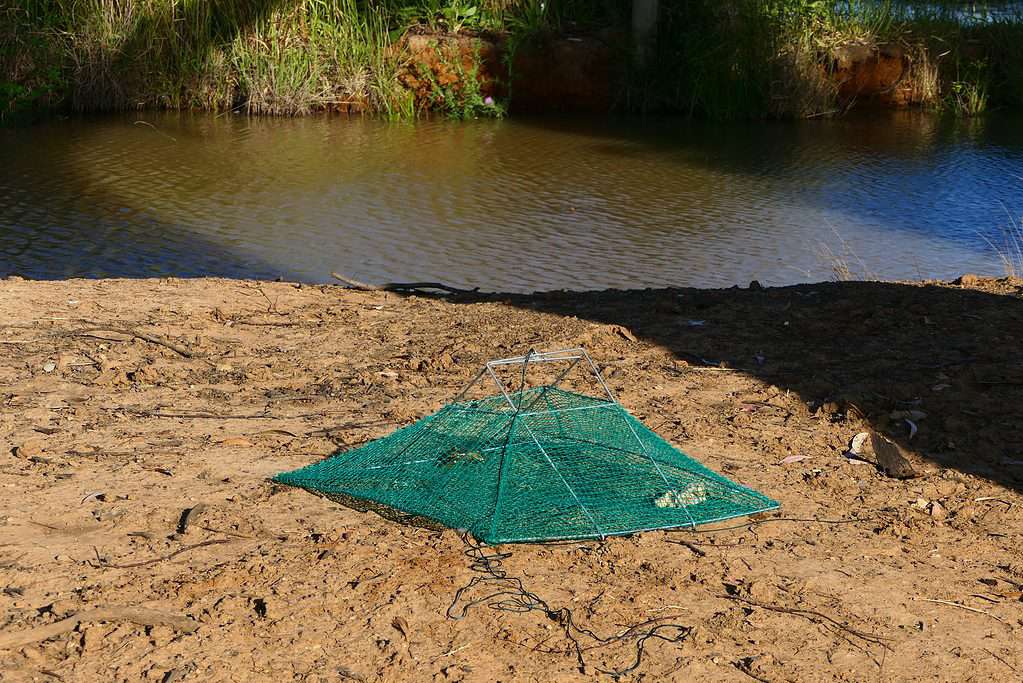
(458, 15)
(967, 93)
(461, 98)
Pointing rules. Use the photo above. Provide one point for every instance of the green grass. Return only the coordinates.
(714, 59)
(263, 56)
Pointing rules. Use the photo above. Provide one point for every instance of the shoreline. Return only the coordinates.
(128, 403)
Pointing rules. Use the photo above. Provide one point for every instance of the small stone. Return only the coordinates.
(938, 511)
(860, 443)
(968, 280)
(890, 458)
(49, 366)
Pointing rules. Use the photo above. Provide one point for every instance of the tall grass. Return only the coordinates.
(722, 59)
(750, 58)
(1010, 248)
(266, 56)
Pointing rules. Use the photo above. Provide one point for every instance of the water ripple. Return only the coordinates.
(513, 205)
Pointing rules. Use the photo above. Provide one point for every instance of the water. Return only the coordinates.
(512, 205)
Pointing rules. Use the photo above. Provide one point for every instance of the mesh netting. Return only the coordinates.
(536, 464)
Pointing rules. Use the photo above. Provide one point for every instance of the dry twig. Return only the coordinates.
(814, 615)
(961, 606)
(151, 338)
(137, 615)
(171, 556)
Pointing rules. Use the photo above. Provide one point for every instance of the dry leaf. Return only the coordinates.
(90, 496)
(624, 333)
(402, 626)
(282, 432)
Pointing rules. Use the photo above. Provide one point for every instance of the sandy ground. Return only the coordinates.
(108, 437)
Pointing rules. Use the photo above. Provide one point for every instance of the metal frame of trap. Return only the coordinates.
(501, 429)
(573, 356)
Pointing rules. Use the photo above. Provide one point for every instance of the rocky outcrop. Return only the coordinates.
(438, 61)
(568, 74)
(553, 74)
(576, 73)
(872, 75)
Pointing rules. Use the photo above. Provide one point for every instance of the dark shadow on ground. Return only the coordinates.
(851, 349)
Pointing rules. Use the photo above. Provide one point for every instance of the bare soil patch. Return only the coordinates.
(141, 420)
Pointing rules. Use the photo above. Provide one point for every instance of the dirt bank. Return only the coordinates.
(126, 403)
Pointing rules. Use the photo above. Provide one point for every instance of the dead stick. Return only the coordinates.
(152, 339)
(1001, 660)
(961, 606)
(400, 286)
(137, 615)
(198, 416)
(699, 552)
(808, 613)
(171, 556)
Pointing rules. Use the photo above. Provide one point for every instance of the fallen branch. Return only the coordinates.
(164, 558)
(136, 615)
(400, 286)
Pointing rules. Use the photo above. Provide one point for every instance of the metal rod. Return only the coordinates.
(600, 378)
(500, 385)
(505, 464)
(563, 481)
(468, 386)
(541, 357)
(569, 410)
(522, 381)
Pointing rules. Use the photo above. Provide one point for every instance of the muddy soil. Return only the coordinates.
(141, 421)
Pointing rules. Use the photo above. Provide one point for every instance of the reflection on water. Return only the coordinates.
(511, 205)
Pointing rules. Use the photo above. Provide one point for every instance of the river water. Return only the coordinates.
(513, 205)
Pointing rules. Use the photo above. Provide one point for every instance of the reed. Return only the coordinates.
(262, 56)
(717, 59)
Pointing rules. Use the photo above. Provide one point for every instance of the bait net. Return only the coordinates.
(533, 463)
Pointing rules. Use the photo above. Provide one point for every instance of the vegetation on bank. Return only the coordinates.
(713, 58)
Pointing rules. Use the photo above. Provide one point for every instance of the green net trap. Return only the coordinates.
(560, 459)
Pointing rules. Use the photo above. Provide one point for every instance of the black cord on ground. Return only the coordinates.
(757, 522)
(510, 595)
